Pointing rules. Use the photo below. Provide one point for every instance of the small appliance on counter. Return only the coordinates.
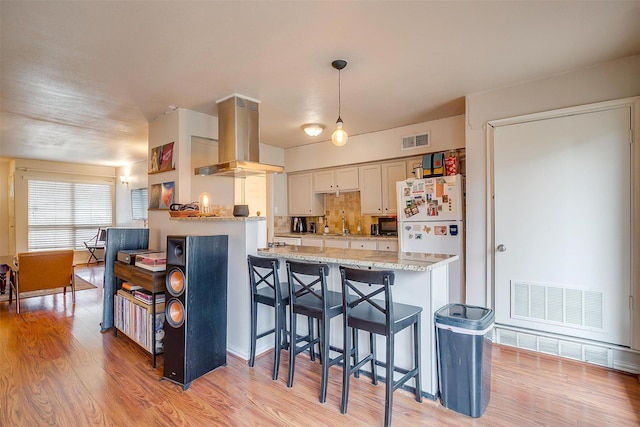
(298, 224)
(375, 231)
(387, 226)
(312, 228)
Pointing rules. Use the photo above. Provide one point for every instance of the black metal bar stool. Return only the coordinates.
(267, 289)
(372, 309)
(310, 297)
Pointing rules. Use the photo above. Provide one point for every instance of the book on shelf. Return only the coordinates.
(146, 296)
(130, 286)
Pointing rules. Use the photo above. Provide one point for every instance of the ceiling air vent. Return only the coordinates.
(415, 141)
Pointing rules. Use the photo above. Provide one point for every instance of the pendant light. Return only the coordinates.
(339, 136)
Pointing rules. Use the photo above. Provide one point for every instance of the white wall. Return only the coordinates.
(137, 177)
(602, 82)
(445, 134)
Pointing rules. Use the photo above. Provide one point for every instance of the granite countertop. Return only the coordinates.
(364, 258)
(336, 236)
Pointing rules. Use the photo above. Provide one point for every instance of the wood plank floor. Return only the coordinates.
(56, 368)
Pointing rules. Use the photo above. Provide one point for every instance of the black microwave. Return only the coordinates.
(388, 226)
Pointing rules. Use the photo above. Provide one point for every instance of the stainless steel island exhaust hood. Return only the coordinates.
(238, 140)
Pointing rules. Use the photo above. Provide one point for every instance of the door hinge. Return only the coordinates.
(631, 302)
(630, 136)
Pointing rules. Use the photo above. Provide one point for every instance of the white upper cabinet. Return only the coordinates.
(392, 172)
(371, 189)
(378, 187)
(302, 199)
(330, 180)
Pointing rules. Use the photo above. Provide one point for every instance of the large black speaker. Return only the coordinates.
(195, 326)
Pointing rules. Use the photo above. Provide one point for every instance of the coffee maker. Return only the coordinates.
(298, 224)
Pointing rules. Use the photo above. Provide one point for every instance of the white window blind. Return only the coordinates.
(139, 203)
(66, 214)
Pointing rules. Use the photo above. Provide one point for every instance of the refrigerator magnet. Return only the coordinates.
(440, 230)
(453, 230)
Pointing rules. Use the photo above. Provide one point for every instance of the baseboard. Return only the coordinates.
(592, 352)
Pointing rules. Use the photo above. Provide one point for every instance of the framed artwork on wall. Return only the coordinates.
(162, 196)
(161, 159)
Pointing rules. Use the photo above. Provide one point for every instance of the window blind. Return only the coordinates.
(66, 214)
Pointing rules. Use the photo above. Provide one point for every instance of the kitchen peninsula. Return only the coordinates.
(420, 279)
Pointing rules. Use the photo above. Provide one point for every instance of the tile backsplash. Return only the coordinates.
(347, 202)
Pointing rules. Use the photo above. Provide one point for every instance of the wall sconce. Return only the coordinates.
(313, 129)
(124, 180)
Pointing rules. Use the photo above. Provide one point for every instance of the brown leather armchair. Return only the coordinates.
(43, 270)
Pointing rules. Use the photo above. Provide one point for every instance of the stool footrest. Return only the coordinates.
(361, 363)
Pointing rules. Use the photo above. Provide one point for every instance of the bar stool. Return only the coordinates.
(372, 309)
(310, 297)
(267, 289)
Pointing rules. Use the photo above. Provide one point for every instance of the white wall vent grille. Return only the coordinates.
(416, 141)
(507, 337)
(598, 355)
(527, 341)
(548, 345)
(557, 305)
(571, 350)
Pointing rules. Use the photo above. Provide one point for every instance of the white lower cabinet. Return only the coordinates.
(333, 243)
(312, 241)
(297, 241)
(363, 244)
(391, 246)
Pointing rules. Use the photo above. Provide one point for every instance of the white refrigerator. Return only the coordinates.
(430, 220)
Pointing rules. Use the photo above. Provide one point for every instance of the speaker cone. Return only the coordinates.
(175, 282)
(174, 313)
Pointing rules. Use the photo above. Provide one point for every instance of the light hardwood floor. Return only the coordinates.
(56, 368)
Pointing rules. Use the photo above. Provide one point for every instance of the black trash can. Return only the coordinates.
(464, 357)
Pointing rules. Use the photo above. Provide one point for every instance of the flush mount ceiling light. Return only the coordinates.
(313, 129)
(339, 136)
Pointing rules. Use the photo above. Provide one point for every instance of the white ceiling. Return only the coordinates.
(80, 81)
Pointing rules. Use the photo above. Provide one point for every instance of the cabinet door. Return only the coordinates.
(312, 241)
(346, 179)
(302, 199)
(334, 243)
(343, 179)
(391, 173)
(370, 190)
(391, 246)
(288, 240)
(323, 181)
(363, 244)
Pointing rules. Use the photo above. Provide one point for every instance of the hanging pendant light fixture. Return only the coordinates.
(339, 136)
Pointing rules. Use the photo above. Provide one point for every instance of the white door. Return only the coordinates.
(562, 225)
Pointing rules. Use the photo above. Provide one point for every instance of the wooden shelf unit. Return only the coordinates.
(134, 318)
(152, 281)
